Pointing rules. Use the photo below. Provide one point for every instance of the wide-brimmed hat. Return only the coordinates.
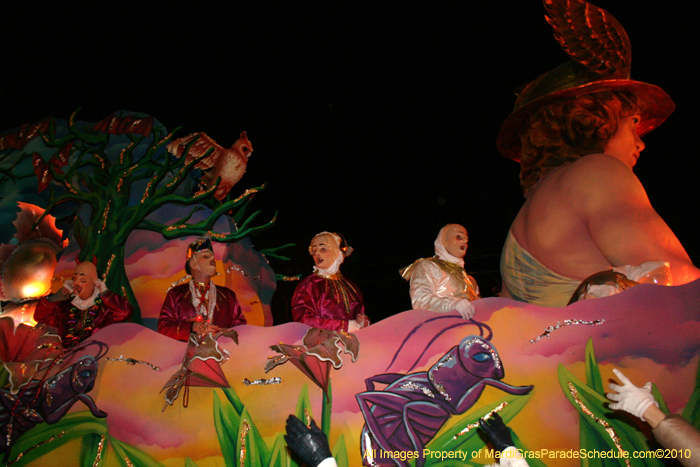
(601, 55)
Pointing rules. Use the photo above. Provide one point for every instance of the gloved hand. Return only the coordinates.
(353, 326)
(362, 320)
(497, 431)
(61, 295)
(629, 397)
(465, 308)
(309, 444)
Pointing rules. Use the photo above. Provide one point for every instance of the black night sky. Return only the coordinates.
(376, 120)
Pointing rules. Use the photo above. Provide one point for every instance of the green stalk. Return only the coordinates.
(326, 411)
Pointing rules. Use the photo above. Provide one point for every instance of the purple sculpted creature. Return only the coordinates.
(46, 401)
(408, 413)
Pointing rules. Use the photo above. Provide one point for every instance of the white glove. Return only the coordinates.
(629, 397)
(68, 285)
(465, 308)
(353, 326)
(100, 286)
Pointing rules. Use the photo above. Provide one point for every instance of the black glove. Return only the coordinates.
(497, 431)
(310, 445)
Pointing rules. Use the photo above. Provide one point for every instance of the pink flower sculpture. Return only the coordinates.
(201, 366)
(321, 348)
(24, 349)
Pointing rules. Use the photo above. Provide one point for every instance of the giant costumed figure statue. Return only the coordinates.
(576, 131)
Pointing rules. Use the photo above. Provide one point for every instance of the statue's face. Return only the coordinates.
(626, 145)
(204, 262)
(84, 279)
(456, 240)
(324, 251)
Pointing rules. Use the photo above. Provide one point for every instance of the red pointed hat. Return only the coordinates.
(601, 56)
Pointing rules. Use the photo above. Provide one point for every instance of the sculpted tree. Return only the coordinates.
(116, 176)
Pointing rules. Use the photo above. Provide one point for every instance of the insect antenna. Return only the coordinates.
(67, 355)
(103, 348)
(433, 340)
(481, 327)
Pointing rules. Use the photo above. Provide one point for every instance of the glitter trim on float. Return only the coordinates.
(102, 163)
(567, 322)
(148, 188)
(417, 387)
(178, 282)
(109, 266)
(606, 426)
(491, 350)
(105, 213)
(440, 388)
(471, 426)
(249, 191)
(244, 433)
(98, 456)
(38, 445)
(262, 382)
(213, 234)
(131, 361)
(242, 272)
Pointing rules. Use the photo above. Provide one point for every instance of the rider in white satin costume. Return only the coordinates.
(440, 283)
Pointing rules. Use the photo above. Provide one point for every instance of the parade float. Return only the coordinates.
(127, 195)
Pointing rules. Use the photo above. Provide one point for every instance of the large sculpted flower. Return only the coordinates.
(24, 349)
(201, 366)
(321, 348)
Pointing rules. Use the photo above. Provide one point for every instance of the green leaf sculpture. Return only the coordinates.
(303, 410)
(251, 450)
(451, 439)
(601, 429)
(226, 421)
(44, 438)
(279, 457)
(97, 446)
(340, 452)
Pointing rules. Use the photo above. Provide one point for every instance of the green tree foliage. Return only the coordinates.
(118, 177)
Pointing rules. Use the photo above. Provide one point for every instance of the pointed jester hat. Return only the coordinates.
(601, 57)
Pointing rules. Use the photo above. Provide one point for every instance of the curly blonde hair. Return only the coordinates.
(568, 130)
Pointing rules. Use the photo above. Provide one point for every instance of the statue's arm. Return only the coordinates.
(621, 221)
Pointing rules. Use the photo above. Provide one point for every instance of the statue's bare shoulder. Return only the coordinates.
(599, 181)
(610, 200)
